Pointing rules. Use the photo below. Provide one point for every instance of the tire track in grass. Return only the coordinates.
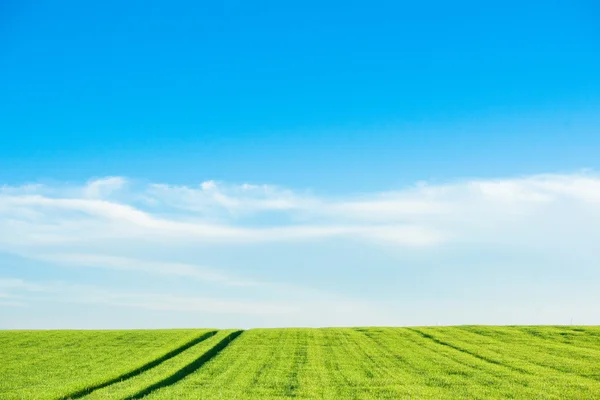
(549, 378)
(188, 369)
(591, 331)
(275, 374)
(561, 360)
(300, 359)
(563, 337)
(84, 392)
(233, 371)
(277, 355)
(538, 383)
(552, 335)
(462, 350)
(482, 367)
(129, 387)
(409, 370)
(506, 382)
(432, 369)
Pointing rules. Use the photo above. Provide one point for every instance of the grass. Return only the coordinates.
(55, 364)
(164, 373)
(392, 363)
(466, 362)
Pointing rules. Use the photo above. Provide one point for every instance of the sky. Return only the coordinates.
(264, 164)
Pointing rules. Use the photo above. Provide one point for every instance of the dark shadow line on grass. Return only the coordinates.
(465, 351)
(188, 369)
(564, 342)
(84, 392)
(595, 377)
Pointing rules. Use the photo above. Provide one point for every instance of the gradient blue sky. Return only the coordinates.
(319, 163)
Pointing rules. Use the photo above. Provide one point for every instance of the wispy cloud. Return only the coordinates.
(56, 292)
(422, 215)
(174, 231)
(42, 218)
(183, 270)
(101, 188)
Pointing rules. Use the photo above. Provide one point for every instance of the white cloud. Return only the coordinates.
(100, 188)
(221, 242)
(208, 185)
(552, 215)
(212, 199)
(423, 215)
(55, 292)
(41, 219)
(184, 270)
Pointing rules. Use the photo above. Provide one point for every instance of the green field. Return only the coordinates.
(466, 362)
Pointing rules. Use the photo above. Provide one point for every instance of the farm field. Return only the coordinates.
(53, 364)
(465, 362)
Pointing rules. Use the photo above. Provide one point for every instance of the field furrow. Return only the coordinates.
(547, 375)
(384, 363)
(69, 364)
(167, 372)
(466, 362)
(525, 350)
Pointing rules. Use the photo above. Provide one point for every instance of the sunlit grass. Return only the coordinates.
(52, 364)
(399, 363)
(466, 362)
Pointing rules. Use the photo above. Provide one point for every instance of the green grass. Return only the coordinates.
(393, 363)
(54, 364)
(163, 374)
(467, 362)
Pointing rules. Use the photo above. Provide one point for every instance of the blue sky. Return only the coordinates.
(274, 164)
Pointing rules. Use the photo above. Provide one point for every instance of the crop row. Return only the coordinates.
(472, 362)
